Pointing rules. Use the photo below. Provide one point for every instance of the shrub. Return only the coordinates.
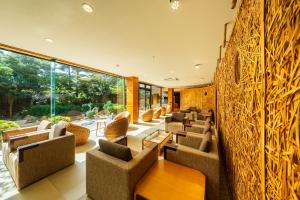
(108, 107)
(5, 125)
(39, 110)
(90, 114)
(59, 118)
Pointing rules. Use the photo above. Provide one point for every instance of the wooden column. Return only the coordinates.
(171, 97)
(132, 91)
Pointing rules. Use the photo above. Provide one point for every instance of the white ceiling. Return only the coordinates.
(145, 37)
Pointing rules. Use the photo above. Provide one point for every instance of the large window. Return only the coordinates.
(149, 96)
(33, 89)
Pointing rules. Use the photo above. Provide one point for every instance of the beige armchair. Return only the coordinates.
(30, 157)
(110, 177)
(176, 122)
(147, 116)
(118, 127)
(44, 125)
(192, 152)
(156, 113)
(163, 111)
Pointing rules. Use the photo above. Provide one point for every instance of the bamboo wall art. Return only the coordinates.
(258, 101)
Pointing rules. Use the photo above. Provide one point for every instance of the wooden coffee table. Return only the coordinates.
(168, 180)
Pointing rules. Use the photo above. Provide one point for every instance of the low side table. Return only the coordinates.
(100, 123)
(168, 180)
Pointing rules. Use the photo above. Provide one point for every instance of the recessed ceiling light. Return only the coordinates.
(174, 4)
(49, 40)
(117, 65)
(87, 8)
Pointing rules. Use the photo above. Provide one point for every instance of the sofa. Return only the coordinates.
(176, 122)
(199, 152)
(110, 171)
(31, 156)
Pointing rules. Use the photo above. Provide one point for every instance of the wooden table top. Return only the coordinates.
(168, 180)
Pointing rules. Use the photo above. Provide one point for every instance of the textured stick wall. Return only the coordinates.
(282, 49)
(196, 97)
(258, 113)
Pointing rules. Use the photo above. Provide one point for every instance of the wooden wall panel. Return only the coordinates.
(282, 47)
(171, 97)
(132, 92)
(240, 104)
(196, 97)
(259, 115)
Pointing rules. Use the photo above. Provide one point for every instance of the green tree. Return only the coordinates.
(24, 77)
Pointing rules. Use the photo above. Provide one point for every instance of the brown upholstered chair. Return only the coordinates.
(163, 111)
(169, 109)
(147, 116)
(156, 113)
(44, 125)
(176, 122)
(123, 114)
(191, 151)
(109, 177)
(118, 127)
(30, 157)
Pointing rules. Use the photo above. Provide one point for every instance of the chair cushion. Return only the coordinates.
(115, 150)
(45, 124)
(59, 130)
(178, 117)
(206, 142)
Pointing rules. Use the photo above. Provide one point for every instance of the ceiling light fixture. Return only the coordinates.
(174, 4)
(87, 8)
(49, 40)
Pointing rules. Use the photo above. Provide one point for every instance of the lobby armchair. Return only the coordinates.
(176, 122)
(118, 127)
(199, 152)
(163, 111)
(44, 125)
(110, 177)
(33, 156)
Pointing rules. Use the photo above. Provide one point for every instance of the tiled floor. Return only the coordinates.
(69, 183)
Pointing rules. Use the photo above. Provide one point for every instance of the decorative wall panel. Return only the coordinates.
(258, 101)
(203, 97)
(282, 51)
(240, 103)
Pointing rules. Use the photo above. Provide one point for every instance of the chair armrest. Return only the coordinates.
(27, 138)
(185, 120)
(10, 133)
(195, 129)
(191, 157)
(168, 119)
(122, 140)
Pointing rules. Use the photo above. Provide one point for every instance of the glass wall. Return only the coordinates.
(33, 89)
(149, 96)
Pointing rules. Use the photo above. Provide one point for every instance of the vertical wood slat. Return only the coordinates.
(171, 98)
(132, 92)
